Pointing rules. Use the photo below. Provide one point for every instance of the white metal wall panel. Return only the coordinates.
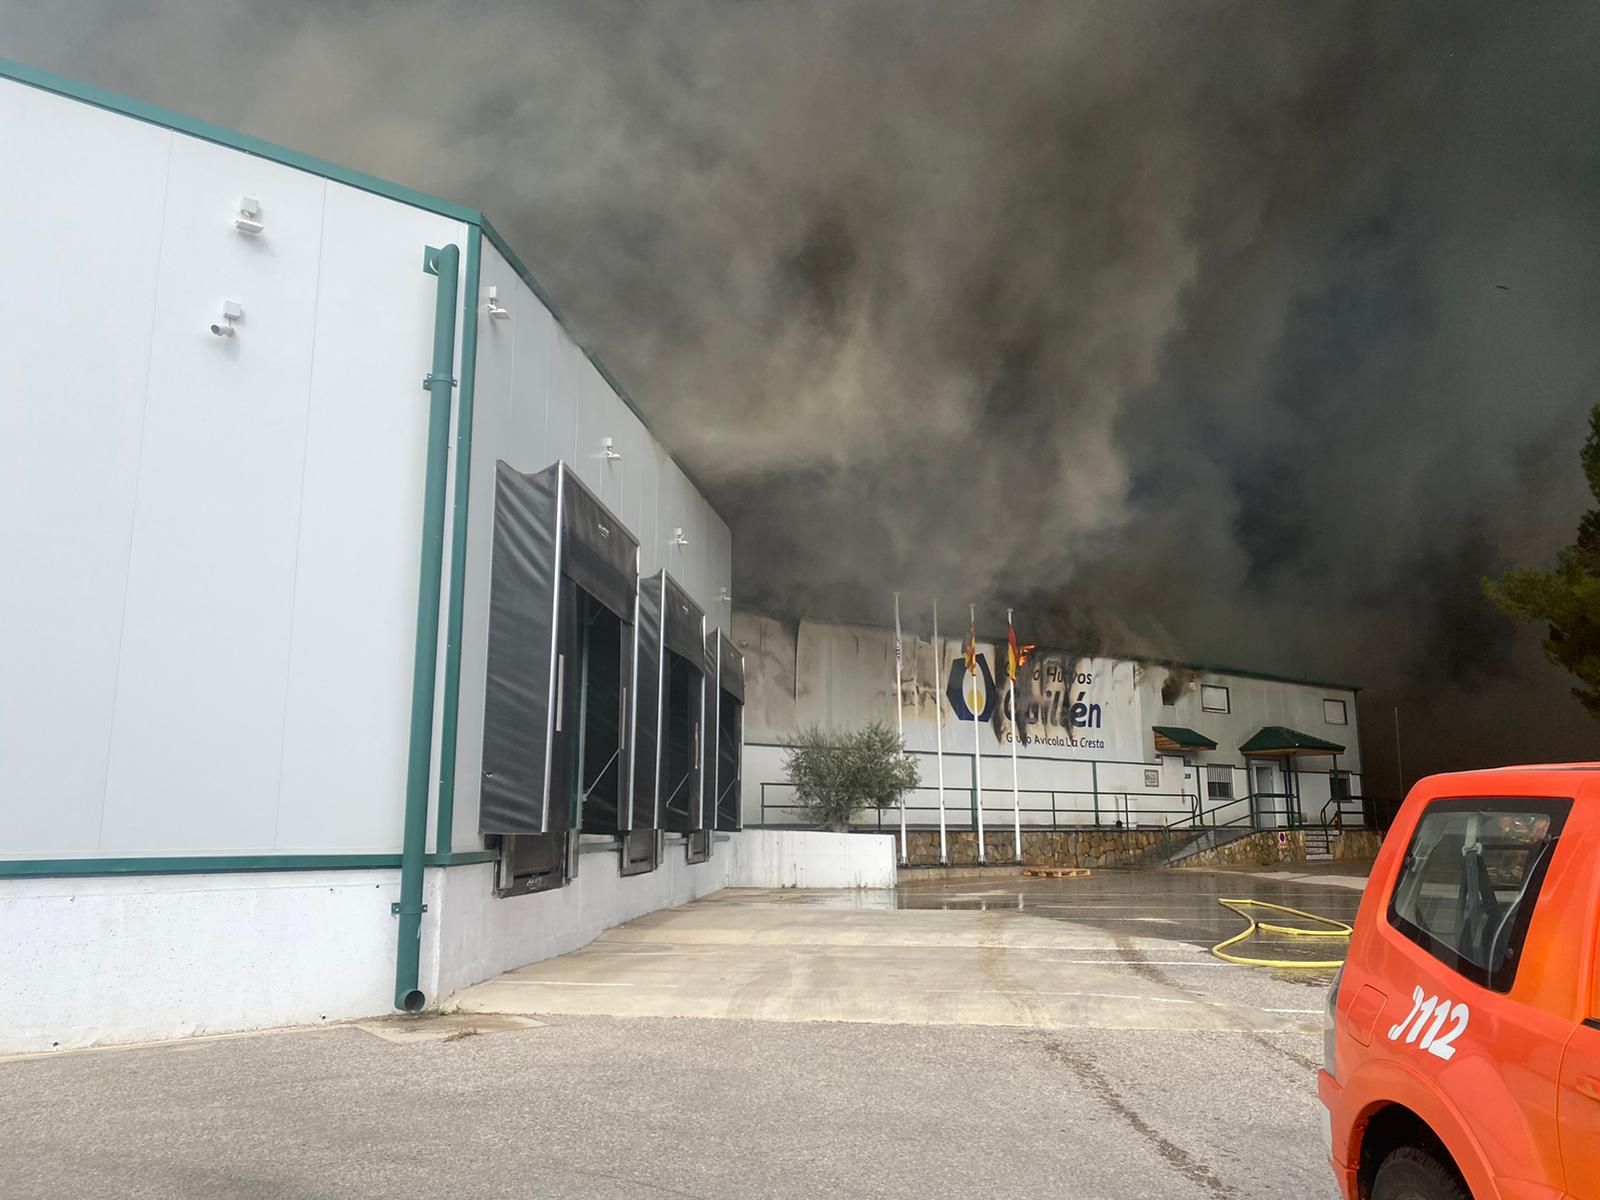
(504, 398)
(76, 301)
(699, 546)
(677, 512)
(567, 369)
(594, 401)
(652, 541)
(724, 539)
(355, 610)
(197, 736)
(633, 470)
(1253, 703)
(523, 441)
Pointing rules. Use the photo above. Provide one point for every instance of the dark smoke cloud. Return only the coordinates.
(1253, 332)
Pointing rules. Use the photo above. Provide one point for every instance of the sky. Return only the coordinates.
(1240, 332)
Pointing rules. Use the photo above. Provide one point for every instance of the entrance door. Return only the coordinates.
(1262, 804)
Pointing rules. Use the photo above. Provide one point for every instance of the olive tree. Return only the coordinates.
(837, 774)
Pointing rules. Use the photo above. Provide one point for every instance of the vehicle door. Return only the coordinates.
(1458, 1012)
(1578, 1102)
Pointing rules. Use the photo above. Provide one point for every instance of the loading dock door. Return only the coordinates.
(562, 602)
(681, 723)
(641, 842)
(726, 811)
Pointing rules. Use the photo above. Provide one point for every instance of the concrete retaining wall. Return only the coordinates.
(806, 859)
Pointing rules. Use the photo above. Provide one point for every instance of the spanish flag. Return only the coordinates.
(969, 648)
(1015, 655)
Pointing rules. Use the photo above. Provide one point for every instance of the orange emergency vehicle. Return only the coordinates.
(1462, 1051)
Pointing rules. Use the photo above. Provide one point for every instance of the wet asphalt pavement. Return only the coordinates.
(1179, 906)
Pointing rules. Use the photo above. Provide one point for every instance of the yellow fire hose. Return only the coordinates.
(1334, 929)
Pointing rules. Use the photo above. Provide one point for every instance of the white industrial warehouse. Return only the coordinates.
(1099, 741)
(362, 641)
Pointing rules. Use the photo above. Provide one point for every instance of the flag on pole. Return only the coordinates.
(969, 648)
(899, 714)
(899, 655)
(1015, 655)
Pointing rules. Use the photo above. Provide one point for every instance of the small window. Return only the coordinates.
(1333, 712)
(1214, 697)
(1339, 785)
(1219, 784)
(1467, 888)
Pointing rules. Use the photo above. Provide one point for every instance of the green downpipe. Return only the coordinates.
(444, 832)
(446, 265)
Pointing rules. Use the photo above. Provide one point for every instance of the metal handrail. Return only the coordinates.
(1122, 806)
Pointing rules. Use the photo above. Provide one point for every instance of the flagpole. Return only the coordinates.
(1016, 732)
(900, 715)
(938, 730)
(977, 742)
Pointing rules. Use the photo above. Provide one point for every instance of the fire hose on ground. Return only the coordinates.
(1327, 928)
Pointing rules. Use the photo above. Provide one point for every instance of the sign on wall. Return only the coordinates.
(1068, 706)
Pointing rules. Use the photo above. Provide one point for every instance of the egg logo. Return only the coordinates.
(971, 694)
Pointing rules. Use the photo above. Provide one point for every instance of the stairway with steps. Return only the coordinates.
(1319, 843)
(1190, 843)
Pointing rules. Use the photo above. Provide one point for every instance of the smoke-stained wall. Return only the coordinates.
(1087, 722)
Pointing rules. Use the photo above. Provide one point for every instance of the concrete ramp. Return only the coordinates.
(850, 956)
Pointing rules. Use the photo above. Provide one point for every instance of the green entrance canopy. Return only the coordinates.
(1176, 737)
(1279, 741)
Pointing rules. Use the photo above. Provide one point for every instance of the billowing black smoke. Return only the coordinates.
(1251, 332)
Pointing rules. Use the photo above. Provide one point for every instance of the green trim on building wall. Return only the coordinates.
(223, 864)
(155, 115)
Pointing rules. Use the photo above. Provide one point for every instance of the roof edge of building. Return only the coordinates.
(1143, 659)
(166, 118)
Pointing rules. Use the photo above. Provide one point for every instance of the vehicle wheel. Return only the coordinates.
(1413, 1174)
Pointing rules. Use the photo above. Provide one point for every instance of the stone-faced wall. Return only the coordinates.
(1124, 847)
(1254, 850)
(1356, 845)
(1040, 848)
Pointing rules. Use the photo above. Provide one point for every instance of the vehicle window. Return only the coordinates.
(1469, 881)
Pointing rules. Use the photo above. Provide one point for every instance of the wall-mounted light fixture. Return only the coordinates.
(611, 453)
(678, 539)
(725, 596)
(248, 219)
(497, 310)
(231, 312)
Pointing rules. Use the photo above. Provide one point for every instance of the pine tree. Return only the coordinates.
(1569, 596)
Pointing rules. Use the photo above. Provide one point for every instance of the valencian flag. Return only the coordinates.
(1015, 655)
